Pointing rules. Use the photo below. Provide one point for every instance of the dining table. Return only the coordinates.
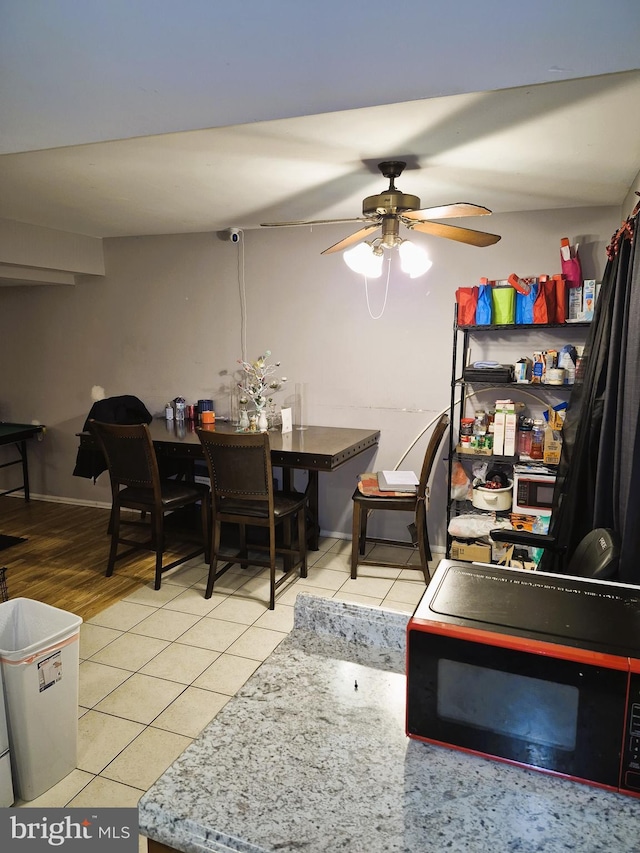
(19, 434)
(313, 449)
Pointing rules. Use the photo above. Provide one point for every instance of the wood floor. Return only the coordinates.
(64, 559)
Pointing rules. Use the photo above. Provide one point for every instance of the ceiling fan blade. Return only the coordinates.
(312, 222)
(454, 232)
(447, 211)
(351, 239)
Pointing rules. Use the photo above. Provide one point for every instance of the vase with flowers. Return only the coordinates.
(258, 383)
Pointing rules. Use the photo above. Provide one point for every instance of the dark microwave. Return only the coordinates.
(529, 668)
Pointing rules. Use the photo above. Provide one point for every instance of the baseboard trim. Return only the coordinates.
(54, 499)
(334, 534)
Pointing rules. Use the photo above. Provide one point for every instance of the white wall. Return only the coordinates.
(166, 320)
(30, 254)
(632, 198)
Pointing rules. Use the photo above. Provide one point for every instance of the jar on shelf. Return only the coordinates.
(537, 440)
(466, 432)
(466, 426)
(480, 423)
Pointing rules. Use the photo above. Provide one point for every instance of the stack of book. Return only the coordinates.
(398, 481)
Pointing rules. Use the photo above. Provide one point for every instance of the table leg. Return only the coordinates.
(25, 468)
(313, 521)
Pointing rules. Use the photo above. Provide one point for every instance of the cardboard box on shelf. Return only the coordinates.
(575, 311)
(553, 437)
(475, 552)
(501, 552)
(475, 451)
(498, 433)
(529, 565)
(552, 447)
(588, 298)
(510, 433)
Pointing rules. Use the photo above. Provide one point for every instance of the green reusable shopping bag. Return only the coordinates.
(504, 305)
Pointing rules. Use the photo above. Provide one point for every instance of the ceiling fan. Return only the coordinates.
(392, 207)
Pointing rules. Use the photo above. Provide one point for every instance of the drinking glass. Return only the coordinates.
(300, 410)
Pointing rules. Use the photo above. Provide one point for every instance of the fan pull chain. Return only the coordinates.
(386, 293)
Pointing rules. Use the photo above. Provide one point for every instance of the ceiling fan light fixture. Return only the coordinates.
(413, 259)
(364, 260)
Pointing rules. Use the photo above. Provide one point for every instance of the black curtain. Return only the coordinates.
(598, 481)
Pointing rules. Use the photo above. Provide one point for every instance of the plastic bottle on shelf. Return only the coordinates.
(525, 429)
(537, 440)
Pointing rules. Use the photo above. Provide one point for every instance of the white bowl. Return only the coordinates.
(493, 500)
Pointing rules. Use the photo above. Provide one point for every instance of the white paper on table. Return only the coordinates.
(287, 420)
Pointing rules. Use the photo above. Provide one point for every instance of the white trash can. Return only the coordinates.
(39, 657)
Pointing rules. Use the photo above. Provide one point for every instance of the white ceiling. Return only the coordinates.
(164, 117)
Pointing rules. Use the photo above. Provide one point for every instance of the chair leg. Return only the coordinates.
(422, 516)
(287, 540)
(158, 538)
(213, 565)
(423, 542)
(206, 520)
(114, 526)
(243, 544)
(362, 537)
(272, 567)
(302, 542)
(355, 540)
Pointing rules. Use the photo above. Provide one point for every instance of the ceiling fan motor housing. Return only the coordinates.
(389, 202)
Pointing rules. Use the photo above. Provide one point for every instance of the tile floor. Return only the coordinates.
(157, 667)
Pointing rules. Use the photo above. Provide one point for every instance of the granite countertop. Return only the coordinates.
(301, 760)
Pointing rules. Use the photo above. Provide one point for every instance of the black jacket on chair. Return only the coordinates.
(125, 409)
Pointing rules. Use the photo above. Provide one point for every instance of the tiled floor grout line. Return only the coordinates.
(135, 743)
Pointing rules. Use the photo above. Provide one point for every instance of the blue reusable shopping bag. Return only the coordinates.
(524, 305)
(483, 309)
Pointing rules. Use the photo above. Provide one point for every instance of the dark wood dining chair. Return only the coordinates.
(136, 485)
(242, 494)
(415, 503)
